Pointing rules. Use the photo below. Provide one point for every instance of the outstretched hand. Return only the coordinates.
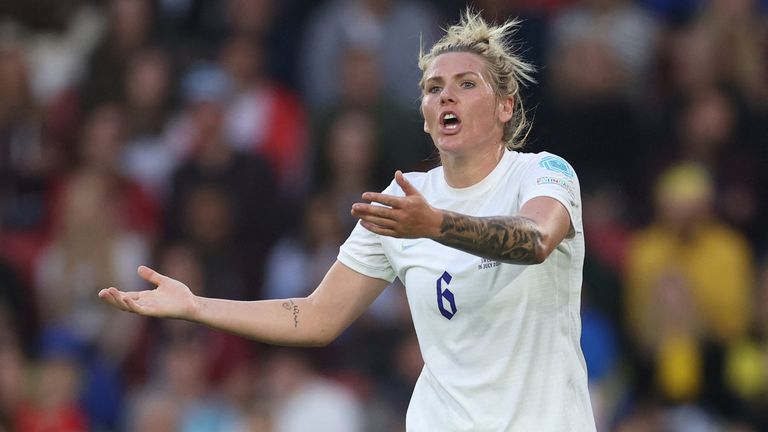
(171, 298)
(409, 216)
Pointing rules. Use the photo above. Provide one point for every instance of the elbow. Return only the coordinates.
(540, 251)
(538, 258)
(527, 257)
(321, 339)
(324, 334)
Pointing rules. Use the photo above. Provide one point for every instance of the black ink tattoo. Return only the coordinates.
(295, 308)
(513, 239)
(287, 306)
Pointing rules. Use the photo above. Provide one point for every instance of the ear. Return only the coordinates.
(506, 109)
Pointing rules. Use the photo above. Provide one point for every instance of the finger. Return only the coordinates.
(389, 200)
(116, 299)
(151, 276)
(132, 305)
(404, 184)
(361, 209)
(378, 229)
(382, 222)
(106, 294)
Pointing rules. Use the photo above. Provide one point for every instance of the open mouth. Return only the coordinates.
(450, 121)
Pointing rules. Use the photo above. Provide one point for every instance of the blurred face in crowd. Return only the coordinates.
(59, 382)
(321, 224)
(102, 138)
(379, 7)
(147, 81)
(587, 70)
(692, 60)
(253, 17)
(13, 79)
(131, 20)
(352, 145)
(734, 8)
(184, 364)
(684, 197)
(208, 117)
(209, 216)
(708, 123)
(461, 111)
(12, 377)
(243, 59)
(360, 80)
(156, 413)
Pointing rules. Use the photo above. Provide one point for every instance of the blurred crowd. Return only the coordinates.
(223, 142)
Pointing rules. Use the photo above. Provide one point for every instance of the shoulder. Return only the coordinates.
(724, 238)
(547, 161)
(416, 178)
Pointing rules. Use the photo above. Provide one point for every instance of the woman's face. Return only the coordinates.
(460, 108)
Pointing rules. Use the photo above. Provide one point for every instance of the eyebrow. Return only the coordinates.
(457, 76)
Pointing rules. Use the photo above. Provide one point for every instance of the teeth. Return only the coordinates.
(449, 117)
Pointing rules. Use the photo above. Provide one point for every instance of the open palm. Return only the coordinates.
(171, 298)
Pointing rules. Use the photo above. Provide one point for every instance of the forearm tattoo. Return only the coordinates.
(513, 239)
(294, 308)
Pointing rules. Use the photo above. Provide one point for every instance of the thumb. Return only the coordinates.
(404, 184)
(151, 276)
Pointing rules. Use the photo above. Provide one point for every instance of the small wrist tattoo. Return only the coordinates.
(290, 305)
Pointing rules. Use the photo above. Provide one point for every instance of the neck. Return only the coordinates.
(464, 170)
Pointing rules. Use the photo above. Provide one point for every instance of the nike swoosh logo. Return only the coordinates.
(406, 246)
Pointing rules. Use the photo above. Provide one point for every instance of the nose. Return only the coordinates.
(446, 96)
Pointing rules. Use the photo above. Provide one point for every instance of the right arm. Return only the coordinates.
(315, 320)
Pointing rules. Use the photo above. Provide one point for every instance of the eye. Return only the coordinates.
(467, 84)
(434, 89)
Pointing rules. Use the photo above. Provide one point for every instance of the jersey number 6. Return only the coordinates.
(445, 295)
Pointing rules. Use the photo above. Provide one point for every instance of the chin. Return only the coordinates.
(450, 144)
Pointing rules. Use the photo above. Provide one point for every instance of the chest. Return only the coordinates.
(442, 282)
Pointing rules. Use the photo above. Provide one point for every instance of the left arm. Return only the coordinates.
(526, 238)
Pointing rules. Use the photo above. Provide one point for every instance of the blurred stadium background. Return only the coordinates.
(223, 142)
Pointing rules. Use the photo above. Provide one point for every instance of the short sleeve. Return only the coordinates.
(552, 176)
(364, 253)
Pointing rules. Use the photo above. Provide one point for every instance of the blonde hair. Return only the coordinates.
(506, 70)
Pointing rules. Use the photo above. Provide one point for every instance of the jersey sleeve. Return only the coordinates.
(364, 253)
(552, 176)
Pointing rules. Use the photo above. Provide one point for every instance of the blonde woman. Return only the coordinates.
(489, 247)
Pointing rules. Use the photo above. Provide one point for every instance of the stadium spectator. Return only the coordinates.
(55, 406)
(29, 161)
(305, 400)
(400, 140)
(300, 259)
(148, 105)
(392, 29)
(129, 29)
(686, 236)
(739, 37)
(616, 40)
(263, 117)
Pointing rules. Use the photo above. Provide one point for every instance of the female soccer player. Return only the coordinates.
(489, 247)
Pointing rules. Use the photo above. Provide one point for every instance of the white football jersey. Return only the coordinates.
(500, 341)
